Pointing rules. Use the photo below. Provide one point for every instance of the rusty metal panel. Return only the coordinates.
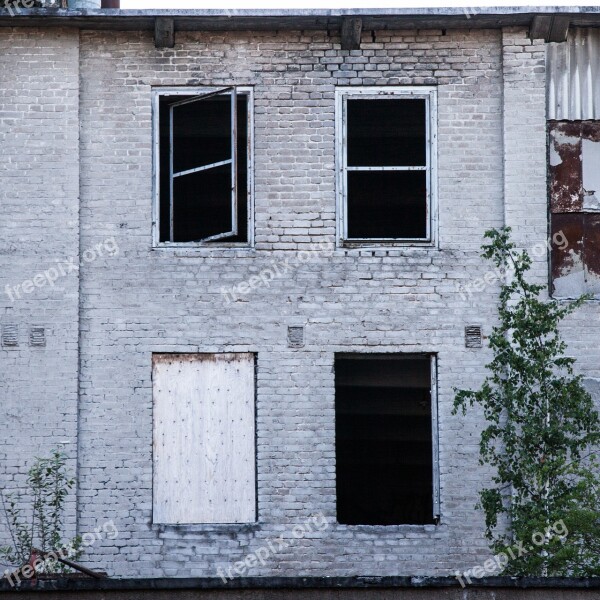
(568, 275)
(573, 76)
(591, 252)
(566, 193)
(590, 165)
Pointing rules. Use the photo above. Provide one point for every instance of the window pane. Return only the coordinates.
(202, 206)
(390, 204)
(202, 133)
(384, 468)
(389, 132)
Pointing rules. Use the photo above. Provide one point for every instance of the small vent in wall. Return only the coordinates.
(10, 335)
(37, 336)
(473, 336)
(295, 337)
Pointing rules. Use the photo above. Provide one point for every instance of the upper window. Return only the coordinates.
(386, 143)
(202, 166)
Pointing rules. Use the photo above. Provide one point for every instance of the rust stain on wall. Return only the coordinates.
(568, 277)
(591, 249)
(566, 192)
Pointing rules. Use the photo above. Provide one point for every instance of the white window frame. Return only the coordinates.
(429, 94)
(199, 91)
(435, 436)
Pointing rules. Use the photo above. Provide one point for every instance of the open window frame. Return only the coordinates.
(429, 95)
(191, 95)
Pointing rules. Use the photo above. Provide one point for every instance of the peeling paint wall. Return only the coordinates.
(574, 167)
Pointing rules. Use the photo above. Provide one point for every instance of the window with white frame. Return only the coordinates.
(203, 166)
(386, 164)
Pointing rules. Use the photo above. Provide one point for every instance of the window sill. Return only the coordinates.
(191, 528)
(392, 529)
(195, 250)
(383, 244)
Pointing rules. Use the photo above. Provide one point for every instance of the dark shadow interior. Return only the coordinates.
(387, 204)
(384, 464)
(387, 133)
(202, 200)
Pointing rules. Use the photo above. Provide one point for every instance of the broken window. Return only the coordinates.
(385, 160)
(575, 207)
(203, 179)
(386, 439)
(204, 438)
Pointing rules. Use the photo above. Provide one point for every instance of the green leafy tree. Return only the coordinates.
(542, 428)
(48, 485)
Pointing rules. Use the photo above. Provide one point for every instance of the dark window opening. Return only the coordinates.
(387, 169)
(384, 439)
(386, 133)
(387, 204)
(204, 169)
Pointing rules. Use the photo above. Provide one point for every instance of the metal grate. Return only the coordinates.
(10, 335)
(37, 336)
(295, 337)
(473, 336)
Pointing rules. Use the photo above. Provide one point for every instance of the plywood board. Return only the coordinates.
(204, 438)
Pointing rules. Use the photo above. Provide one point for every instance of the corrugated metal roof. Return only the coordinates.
(573, 76)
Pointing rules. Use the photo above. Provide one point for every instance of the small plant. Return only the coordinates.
(541, 431)
(41, 527)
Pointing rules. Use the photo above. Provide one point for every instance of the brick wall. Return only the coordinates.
(148, 300)
(39, 227)
(402, 300)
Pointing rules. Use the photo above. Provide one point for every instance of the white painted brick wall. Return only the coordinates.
(491, 146)
(39, 187)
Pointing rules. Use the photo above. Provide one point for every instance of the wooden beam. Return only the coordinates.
(351, 33)
(550, 28)
(164, 32)
(560, 29)
(540, 27)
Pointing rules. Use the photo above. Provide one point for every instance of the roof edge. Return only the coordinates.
(302, 583)
(299, 13)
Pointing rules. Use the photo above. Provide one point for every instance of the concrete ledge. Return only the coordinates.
(565, 587)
